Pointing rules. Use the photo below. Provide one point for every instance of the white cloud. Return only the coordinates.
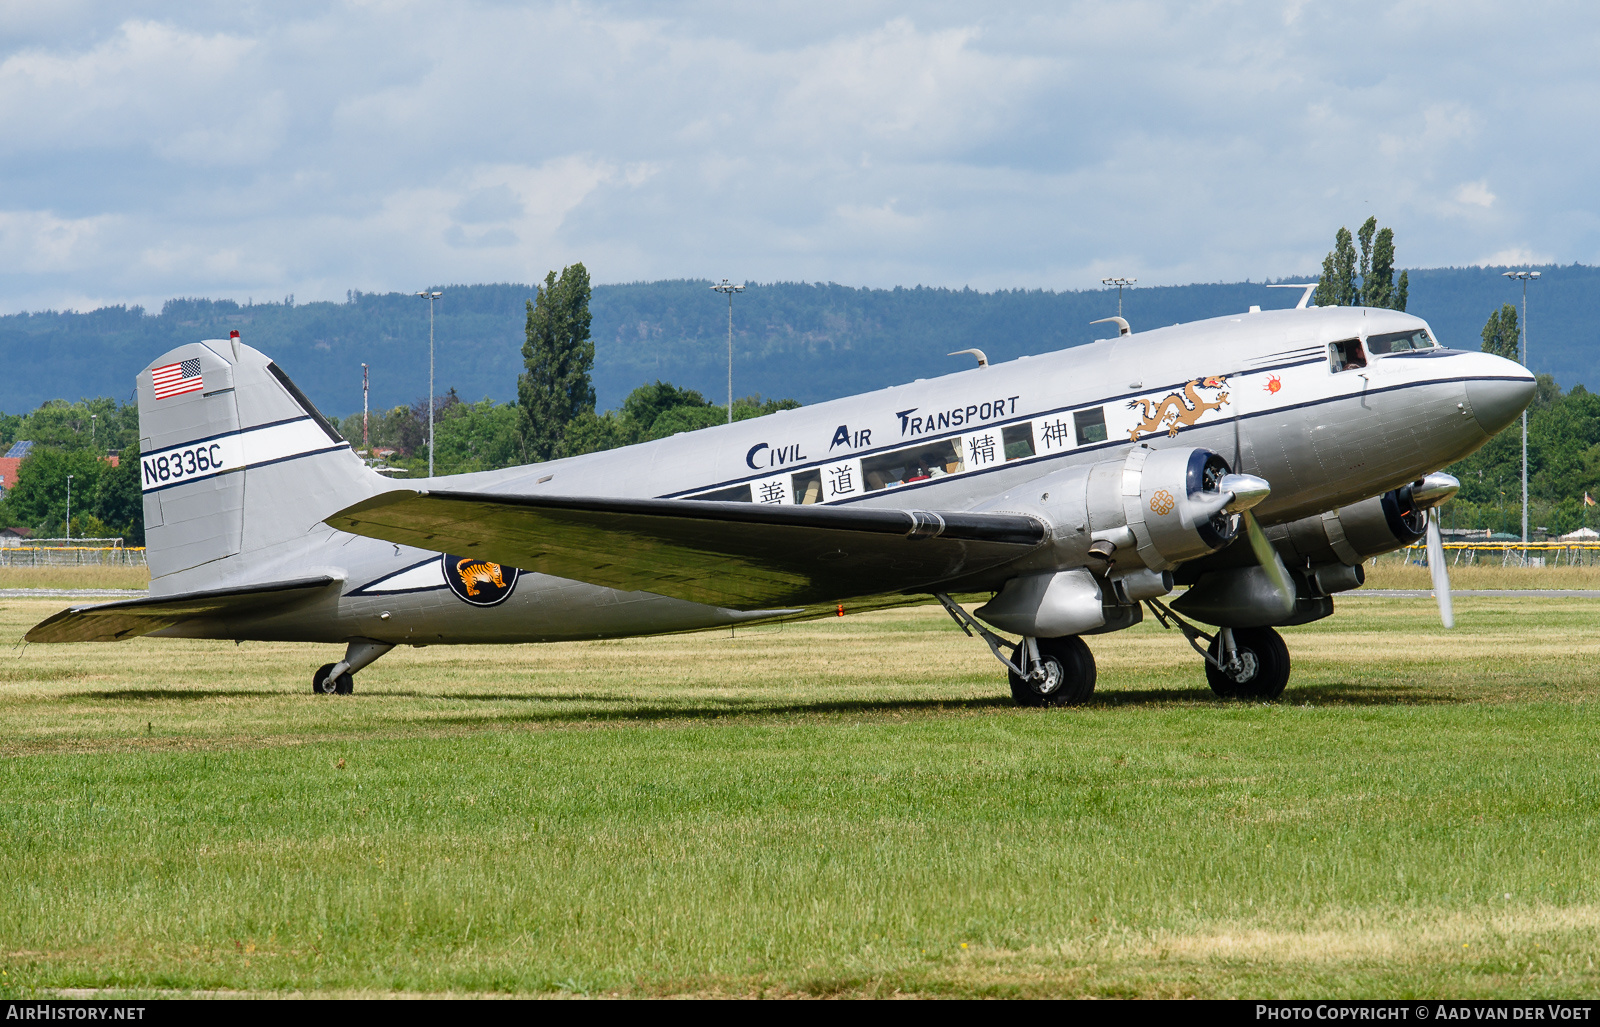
(1514, 256)
(1475, 194)
(161, 148)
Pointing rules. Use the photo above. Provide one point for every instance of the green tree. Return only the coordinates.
(1500, 333)
(39, 499)
(119, 501)
(1364, 236)
(480, 436)
(590, 432)
(1377, 280)
(1337, 286)
(558, 356)
(1374, 267)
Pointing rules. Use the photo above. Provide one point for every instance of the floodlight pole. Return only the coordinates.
(69, 508)
(431, 297)
(730, 290)
(1524, 277)
(1119, 283)
(364, 444)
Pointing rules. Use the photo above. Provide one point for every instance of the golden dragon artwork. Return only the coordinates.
(1179, 409)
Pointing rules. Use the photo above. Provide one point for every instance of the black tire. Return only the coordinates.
(1071, 674)
(320, 683)
(1270, 674)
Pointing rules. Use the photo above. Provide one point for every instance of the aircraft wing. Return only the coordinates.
(733, 555)
(130, 618)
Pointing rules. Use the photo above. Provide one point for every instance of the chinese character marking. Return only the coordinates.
(770, 492)
(982, 447)
(1057, 433)
(840, 481)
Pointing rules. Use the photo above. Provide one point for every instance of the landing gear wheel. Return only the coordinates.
(1265, 670)
(322, 684)
(1069, 674)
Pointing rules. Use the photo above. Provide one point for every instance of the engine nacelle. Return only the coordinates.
(1172, 505)
(1154, 508)
(1136, 518)
(1353, 533)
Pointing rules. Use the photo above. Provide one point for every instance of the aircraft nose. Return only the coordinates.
(1496, 402)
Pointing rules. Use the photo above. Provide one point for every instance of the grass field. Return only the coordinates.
(848, 807)
(1395, 573)
(92, 576)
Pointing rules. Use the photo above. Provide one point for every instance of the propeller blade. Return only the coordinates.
(1437, 568)
(1267, 556)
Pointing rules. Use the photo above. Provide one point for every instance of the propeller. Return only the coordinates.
(1247, 491)
(1270, 562)
(1437, 568)
(1429, 493)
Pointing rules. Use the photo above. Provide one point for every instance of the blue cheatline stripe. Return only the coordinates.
(1039, 458)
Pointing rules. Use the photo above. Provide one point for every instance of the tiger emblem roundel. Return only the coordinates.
(479, 582)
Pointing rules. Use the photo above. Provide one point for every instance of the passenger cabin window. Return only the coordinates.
(1091, 425)
(737, 494)
(1019, 440)
(915, 463)
(1400, 342)
(808, 487)
(1346, 356)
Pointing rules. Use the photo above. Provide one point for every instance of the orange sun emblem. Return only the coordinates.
(1274, 383)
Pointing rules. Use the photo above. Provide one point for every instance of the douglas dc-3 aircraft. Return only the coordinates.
(1257, 459)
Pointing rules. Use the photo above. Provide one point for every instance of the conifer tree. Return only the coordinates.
(558, 355)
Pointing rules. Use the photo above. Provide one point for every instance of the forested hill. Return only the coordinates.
(808, 342)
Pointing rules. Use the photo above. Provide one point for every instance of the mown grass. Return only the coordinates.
(88, 576)
(848, 807)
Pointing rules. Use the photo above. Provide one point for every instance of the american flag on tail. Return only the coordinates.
(176, 379)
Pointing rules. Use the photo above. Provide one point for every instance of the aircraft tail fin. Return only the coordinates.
(237, 467)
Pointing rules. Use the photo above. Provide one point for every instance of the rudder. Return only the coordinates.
(235, 463)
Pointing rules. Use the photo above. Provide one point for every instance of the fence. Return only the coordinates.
(72, 556)
(1511, 554)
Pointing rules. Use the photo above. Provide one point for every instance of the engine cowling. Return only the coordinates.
(1353, 533)
(1142, 515)
(1176, 510)
(1155, 508)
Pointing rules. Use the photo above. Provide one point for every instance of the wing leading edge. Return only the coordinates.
(733, 555)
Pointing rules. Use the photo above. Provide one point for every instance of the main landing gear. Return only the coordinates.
(1043, 671)
(339, 678)
(1241, 663)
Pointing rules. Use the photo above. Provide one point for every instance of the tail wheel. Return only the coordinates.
(322, 684)
(1265, 665)
(1069, 674)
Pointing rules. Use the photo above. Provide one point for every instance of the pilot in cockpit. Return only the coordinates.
(1346, 355)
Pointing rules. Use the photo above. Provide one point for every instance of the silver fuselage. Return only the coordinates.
(1257, 388)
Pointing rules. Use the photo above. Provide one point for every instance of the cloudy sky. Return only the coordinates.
(153, 149)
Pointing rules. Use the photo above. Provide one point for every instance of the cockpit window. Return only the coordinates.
(1400, 342)
(1346, 356)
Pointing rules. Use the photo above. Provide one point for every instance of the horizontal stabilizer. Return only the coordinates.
(733, 555)
(130, 618)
